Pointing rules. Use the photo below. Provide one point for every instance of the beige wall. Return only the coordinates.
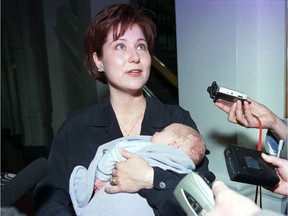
(241, 45)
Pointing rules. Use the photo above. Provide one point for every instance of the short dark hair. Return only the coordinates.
(108, 20)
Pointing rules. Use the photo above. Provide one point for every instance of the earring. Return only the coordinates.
(100, 70)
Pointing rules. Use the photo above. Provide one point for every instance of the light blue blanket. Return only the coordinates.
(103, 204)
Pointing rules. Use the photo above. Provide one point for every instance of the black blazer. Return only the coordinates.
(76, 143)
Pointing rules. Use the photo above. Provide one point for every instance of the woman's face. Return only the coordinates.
(126, 62)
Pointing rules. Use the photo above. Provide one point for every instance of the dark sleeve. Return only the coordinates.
(161, 197)
(51, 195)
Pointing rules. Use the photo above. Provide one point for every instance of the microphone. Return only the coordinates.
(24, 181)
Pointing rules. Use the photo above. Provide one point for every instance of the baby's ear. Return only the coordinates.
(192, 151)
(174, 144)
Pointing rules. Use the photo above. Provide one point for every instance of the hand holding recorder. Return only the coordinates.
(229, 202)
(242, 110)
(242, 113)
(282, 172)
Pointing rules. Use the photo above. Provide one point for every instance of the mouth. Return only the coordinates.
(135, 72)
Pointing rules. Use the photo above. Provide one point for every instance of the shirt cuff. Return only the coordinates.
(166, 179)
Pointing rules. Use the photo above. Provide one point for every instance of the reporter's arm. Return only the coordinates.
(243, 113)
(279, 129)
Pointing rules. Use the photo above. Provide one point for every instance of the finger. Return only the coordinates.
(277, 162)
(266, 157)
(113, 181)
(250, 100)
(223, 106)
(112, 190)
(232, 113)
(217, 187)
(114, 172)
(239, 110)
(247, 112)
(126, 154)
(241, 116)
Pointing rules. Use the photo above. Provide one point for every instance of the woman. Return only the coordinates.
(118, 47)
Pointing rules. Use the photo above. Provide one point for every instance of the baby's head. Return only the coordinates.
(184, 138)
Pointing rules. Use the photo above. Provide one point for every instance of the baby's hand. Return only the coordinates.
(98, 184)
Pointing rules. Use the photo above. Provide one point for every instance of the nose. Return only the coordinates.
(134, 56)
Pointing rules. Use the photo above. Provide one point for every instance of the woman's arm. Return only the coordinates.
(154, 184)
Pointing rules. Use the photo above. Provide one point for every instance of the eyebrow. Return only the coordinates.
(124, 39)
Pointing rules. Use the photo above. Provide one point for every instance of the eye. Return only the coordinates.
(120, 46)
(141, 47)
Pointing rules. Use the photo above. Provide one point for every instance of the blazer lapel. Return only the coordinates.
(105, 118)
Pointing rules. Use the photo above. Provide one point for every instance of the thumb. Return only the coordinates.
(266, 157)
(217, 187)
(275, 161)
(112, 190)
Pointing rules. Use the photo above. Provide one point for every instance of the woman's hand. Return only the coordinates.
(131, 175)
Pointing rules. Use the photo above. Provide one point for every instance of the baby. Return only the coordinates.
(179, 136)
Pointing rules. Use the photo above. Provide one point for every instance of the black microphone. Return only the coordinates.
(24, 181)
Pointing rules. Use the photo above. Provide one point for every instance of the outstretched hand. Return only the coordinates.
(131, 175)
(244, 113)
(228, 202)
(282, 171)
